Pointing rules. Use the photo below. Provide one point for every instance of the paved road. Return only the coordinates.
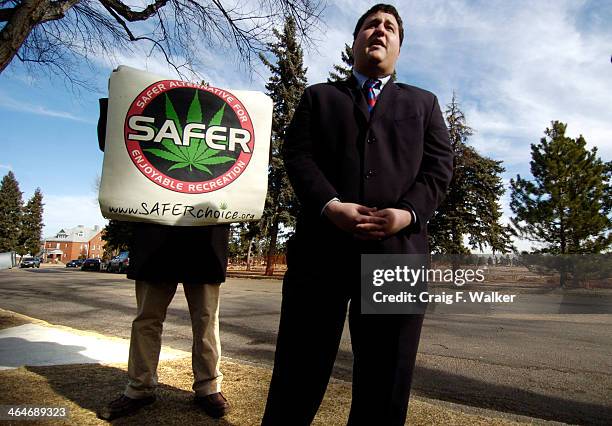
(555, 367)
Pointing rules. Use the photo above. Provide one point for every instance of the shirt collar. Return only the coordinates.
(361, 79)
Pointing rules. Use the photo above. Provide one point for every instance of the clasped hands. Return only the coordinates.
(367, 223)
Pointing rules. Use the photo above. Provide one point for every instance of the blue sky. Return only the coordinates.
(514, 66)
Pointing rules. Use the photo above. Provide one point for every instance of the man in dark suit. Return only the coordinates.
(369, 160)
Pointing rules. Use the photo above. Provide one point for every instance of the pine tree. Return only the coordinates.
(117, 235)
(568, 204)
(285, 87)
(32, 224)
(342, 72)
(471, 208)
(10, 213)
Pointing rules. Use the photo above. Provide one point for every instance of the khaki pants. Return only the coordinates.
(145, 343)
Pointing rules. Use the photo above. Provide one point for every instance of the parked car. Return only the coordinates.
(75, 263)
(91, 265)
(119, 263)
(30, 262)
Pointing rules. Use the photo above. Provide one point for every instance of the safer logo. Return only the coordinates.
(187, 137)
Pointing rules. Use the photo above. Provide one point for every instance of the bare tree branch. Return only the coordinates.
(58, 9)
(6, 14)
(62, 35)
(18, 28)
(131, 15)
(134, 38)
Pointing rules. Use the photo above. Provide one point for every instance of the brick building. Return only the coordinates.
(74, 243)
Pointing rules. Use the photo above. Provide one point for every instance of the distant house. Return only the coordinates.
(74, 243)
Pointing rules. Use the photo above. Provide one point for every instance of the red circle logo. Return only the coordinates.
(187, 137)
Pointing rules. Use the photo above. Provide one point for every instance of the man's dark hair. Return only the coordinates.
(381, 7)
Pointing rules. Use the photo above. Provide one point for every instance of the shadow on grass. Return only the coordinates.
(92, 386)
(437, 384)
(457, 388)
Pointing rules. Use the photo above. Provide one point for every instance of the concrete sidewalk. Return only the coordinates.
(42, 344)
(45, 364)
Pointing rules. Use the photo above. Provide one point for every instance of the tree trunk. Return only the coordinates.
(563, 249)
(25, 17)
(272, 248)
(249, 253)
(457, 245)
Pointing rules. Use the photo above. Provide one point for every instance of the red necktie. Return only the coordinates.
(371, 96)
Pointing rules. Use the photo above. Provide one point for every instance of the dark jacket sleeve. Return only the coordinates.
(309, 183)
(429, 188)
(102, 123)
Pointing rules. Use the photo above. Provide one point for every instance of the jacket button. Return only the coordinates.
(370, 173)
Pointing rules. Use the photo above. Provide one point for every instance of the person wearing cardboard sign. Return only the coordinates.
(370, 160)
(156, 276)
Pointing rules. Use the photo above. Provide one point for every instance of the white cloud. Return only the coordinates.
(321, 60)
(13, 104)
(519, 66)
(6, 166)
(67, 211)
(216, 68)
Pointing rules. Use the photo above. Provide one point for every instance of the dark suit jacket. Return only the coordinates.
(187, 254)
(399, 156)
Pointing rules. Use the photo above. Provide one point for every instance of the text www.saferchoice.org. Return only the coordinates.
(168, 209)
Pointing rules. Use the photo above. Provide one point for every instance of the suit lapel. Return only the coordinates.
(386, 98)
(359, 100)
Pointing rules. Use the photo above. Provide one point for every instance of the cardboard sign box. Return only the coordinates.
(179, 153)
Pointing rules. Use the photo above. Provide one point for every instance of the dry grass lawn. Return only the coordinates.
(85, 387)
(11, 319)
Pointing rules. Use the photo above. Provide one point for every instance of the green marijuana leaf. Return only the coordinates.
(223, 206)
(197, 154)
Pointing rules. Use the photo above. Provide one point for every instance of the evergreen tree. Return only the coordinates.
(342, 72)
(117, 235)
(10, 213)
(568, 204)
(471, 208)
(285, 87)
(32, 224)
